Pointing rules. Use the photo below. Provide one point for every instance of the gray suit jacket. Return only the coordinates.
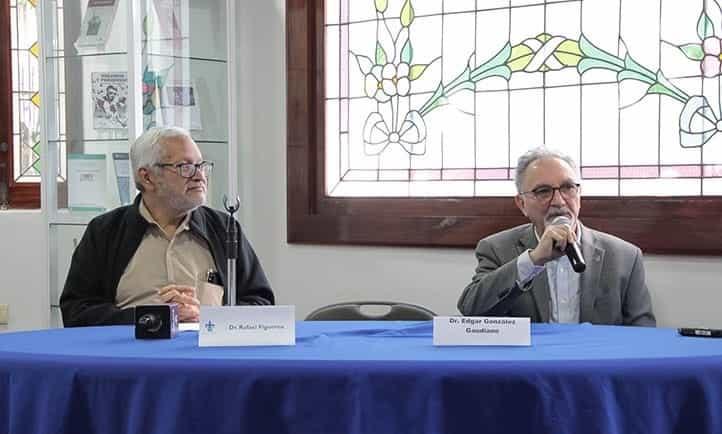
(612, 289)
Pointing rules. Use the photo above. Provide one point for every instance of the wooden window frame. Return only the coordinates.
(20, 194)
(665, 225)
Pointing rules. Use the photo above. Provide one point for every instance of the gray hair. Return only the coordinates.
(147, 149)
(538, 153)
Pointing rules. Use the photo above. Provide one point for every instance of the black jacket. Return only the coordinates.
(109, 243)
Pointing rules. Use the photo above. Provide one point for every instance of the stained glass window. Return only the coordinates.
(25, 52)
(439, 98)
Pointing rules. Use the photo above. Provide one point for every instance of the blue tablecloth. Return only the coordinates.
(362, 377)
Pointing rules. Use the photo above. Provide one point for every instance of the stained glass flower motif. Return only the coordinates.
(709, 51)
(711, 60)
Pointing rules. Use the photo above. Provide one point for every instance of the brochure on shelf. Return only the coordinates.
(169, 21)
(180, 104)
(110, 100)
(86, 182)
(121, 164)
(96, 26)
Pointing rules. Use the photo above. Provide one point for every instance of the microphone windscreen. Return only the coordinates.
(572, 250)
(561, 220)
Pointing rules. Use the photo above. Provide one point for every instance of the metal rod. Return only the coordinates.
(231, 248)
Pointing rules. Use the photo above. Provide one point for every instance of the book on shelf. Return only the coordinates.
(86, 182)
(180, 105)
(96, 25)
(109, 95)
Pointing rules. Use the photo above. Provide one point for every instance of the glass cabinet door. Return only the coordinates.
(82, 132)
(185, 77)
(111, 70)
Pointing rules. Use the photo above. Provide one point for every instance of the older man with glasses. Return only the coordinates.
(165, 247)
(524, 272)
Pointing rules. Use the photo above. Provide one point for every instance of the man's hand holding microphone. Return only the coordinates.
(559, 238)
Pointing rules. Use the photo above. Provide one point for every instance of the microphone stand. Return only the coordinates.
(231, 248)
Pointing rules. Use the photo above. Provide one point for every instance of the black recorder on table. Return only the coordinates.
(156, 321)
(700, 332)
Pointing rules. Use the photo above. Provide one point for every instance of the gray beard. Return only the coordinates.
(184, 204)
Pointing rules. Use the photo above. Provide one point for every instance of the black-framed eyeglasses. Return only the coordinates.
(188, 170)
(544, 193)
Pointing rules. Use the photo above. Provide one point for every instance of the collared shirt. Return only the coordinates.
(181, 258)
(563, 284)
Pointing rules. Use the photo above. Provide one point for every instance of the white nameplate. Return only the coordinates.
(237, 326)
(481, 330)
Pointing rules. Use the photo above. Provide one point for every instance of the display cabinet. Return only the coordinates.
(110, 70)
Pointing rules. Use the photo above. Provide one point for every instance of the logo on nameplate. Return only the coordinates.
(236, 326)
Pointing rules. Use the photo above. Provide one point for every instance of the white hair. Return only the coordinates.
(538, 153)
(147, 150)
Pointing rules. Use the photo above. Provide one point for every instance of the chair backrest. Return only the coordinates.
(351, 311)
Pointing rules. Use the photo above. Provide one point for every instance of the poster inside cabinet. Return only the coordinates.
(96, 26)
(110, 100)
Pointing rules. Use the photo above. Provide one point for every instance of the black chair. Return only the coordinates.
(351, 311)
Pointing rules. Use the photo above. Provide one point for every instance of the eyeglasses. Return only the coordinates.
(188, 170)
(544, 193)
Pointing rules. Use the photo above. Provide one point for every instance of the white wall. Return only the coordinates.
(23, 271)
(685, 290)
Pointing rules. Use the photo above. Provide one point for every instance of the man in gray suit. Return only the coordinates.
(524, 272)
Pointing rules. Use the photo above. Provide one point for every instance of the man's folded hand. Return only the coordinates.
(187, 299)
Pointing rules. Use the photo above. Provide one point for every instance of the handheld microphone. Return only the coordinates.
(572, 250)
